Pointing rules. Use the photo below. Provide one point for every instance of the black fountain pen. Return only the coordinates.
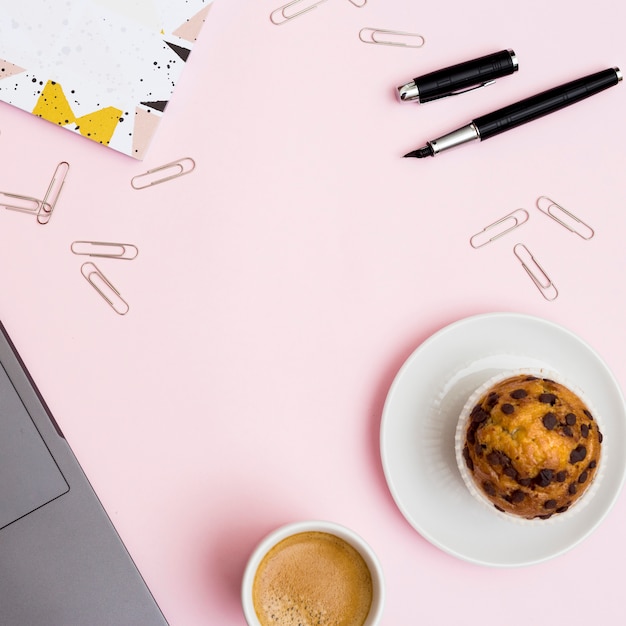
(521, 112)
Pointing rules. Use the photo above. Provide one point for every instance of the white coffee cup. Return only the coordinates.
(347, 535)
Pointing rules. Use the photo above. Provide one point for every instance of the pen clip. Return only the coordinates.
(458, 92)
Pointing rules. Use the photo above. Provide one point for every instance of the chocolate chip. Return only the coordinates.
(583, 477)
(588, 414)
(561, 476)
(572, 489)
(547, 398)
(549, 420)
(567, 431)
(530, 378)
(471, 432)
(478, 414)
(517, 496)
(600, 437)
(570, 419)
(468, 459)
(524, 482)
(511, 472)
(562, 509)
(584, 430)
(549, 504)
(592, 465)
(489, 488)
(544, 477)
(507, 409)
(518, 394)
(492, 399)
(493, 458)
(578, 454)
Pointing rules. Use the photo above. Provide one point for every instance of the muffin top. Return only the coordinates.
(531, 446)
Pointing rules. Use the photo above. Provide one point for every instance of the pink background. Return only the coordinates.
(280, 286)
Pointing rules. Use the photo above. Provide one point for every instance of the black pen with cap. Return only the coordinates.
(518, 113)
(460, 78)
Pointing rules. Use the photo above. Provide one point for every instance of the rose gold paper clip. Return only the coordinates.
(392, 38)
(537, 273)
(501, 227)
(105, 249)
(104, 287)
(282, 15)
(54, 191)
(42, 209)
(23, 204)
(163, 173)
(563, 217)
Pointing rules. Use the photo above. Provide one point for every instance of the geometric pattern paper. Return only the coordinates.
(146, 123)
(102, 69)
(190, 30)
(54, 107)
(8, 69)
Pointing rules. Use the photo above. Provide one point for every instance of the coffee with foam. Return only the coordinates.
(312, 578)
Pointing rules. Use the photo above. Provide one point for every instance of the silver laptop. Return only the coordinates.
(61, 561)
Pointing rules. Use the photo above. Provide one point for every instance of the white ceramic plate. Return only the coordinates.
(419, 422)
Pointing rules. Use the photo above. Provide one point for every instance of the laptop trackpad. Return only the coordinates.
(29, 476)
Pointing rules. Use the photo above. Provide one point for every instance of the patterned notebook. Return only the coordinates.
(104, 69)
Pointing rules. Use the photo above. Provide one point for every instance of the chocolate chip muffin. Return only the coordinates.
(531, 446)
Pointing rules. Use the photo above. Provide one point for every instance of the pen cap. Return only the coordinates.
(459, 78)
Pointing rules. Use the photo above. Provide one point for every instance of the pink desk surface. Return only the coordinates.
(280, 286)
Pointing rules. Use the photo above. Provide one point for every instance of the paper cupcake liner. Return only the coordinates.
(459, 443)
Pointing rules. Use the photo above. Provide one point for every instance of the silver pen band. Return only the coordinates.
(455, 138)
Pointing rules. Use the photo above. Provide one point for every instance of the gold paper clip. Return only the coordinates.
(539, 277)
(164, 173)
(103, 286)
(105, 249)
(502, 227)
(54, 191)
(281, 15)
(574, 225)
(397, 38)
(23, 204)
(359, 4)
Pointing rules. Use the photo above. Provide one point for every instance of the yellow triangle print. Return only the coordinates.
(53, 106)
(99, 125)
